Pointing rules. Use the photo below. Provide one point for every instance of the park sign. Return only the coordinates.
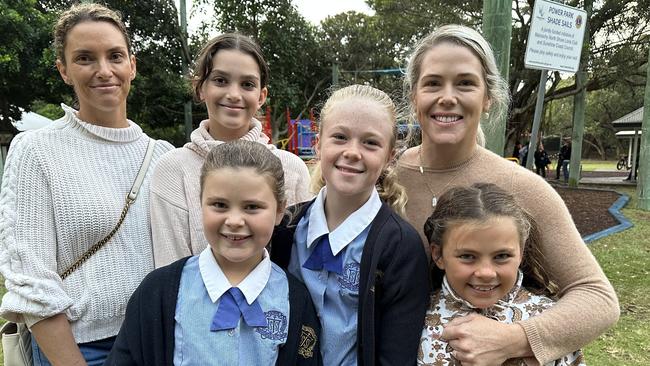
(555, 37)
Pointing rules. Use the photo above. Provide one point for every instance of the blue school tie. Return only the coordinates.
(322, 257)
(233, 305)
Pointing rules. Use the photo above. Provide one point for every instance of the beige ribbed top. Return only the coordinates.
(588, 303)
(176, 218)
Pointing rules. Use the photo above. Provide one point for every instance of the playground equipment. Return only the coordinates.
(266, 124)
(302, 135)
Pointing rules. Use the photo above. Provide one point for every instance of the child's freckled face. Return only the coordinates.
(481, 259)
(354, 147)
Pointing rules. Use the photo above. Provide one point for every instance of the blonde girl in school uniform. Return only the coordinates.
(363, 265)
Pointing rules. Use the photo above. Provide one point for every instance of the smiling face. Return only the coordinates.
(232, 94)
(354, 148)
(450, 96)
(239, 213)
(98, 65)
(481, 259)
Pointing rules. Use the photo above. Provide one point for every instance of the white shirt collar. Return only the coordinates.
(349, 229)
(217, 284)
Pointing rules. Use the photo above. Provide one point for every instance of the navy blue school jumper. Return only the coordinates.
(393, 287)
(147, 334)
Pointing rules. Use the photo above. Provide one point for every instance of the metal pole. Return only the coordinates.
(634, 154)
(335, 74)
(539, 108)
(497, 30)
(578, 129)
(629, 152)
(643, 183)
(579, 103)
(187, 107)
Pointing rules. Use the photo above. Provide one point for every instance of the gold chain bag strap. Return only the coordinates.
(16, 338)
(130, 198)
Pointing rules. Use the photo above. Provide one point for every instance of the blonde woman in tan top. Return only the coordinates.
(452, 83)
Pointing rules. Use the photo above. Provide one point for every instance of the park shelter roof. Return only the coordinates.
(630, 120)
(627, 133)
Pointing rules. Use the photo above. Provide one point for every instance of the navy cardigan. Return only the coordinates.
(147, 334)
(393, 287)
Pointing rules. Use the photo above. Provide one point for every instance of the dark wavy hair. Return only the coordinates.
(480, 202)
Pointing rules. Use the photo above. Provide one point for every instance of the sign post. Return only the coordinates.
(554, 43)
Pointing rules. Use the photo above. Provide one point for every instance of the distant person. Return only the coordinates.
(567, 159)
(228, 305)
(563, 155)
(489, 250)
(523, 154)
(64, 189)
(231, 78)
(541, 160)
(515, 151)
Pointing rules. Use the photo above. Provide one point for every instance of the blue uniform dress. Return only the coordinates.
(201, 288)
(336, 297)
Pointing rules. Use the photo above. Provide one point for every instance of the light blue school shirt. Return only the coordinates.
(202, 285)
(336, 297)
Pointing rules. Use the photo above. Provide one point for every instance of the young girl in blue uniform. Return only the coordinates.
(363, 265)
(487, 250)
(229, 305)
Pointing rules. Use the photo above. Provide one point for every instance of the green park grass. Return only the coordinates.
(625, 258)
(593, 165)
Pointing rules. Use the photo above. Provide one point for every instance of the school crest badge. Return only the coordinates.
(308, 341)
(276, 326)
(349, 279)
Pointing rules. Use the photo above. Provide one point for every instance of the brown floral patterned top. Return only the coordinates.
(518, 304)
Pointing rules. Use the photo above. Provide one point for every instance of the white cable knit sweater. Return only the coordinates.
(63, 190)
(176, 217)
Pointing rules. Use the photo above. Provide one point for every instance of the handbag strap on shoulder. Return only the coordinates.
(130, 198)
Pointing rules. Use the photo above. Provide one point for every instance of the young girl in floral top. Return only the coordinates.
(487, 250)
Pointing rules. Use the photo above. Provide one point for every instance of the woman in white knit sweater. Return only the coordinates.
(63, 189)
(230, 77)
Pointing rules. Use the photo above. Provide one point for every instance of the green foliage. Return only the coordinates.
(24, 36)
(49, 110)
(289, 45)
(359, 44)
(301, 56)
(603, 107)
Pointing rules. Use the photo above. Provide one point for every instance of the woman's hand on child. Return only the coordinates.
(479, 341)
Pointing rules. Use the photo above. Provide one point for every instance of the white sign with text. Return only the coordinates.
(555, 37)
